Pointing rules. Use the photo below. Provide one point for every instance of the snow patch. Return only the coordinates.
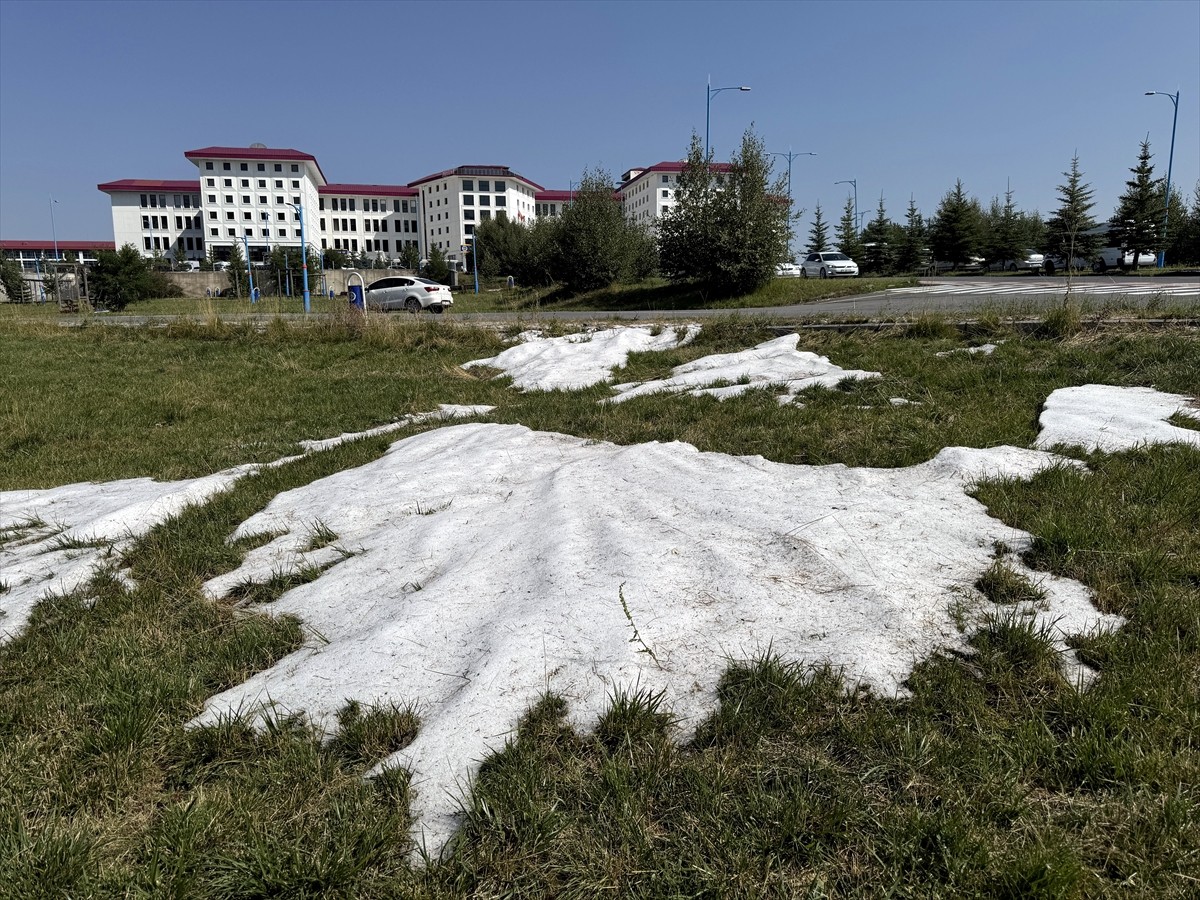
(1108, 418)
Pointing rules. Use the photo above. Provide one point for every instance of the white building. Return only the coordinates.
(453, 202)
(250, 195)
(155, 216)
(380, 219)
(646, 194)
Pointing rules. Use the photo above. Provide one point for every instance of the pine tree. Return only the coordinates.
(818, 234)
(1004, 244)
(847, 232)
(912, 253)
(237, 268)
(1068, 231)
(877, 251)
(1137, 224)
(955, 235)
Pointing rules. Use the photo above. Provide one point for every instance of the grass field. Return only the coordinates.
(994, 778)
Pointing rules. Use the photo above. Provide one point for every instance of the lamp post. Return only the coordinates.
(54, 233)
(299, 208)
(712, 92)
(1174, 98)
(854, 184)
(249, 268)
(789, 156)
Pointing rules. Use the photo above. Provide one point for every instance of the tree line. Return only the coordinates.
(962, 230)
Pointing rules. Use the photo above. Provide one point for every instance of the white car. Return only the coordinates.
(1114, 258)
(409, 293)
(829, 264)
(1030, 261)
(787, 270)
(973, 264)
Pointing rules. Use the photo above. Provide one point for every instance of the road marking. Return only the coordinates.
(977, 287)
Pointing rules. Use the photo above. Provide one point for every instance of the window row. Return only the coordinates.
(182, 201)
(245, 167)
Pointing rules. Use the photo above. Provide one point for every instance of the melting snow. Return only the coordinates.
(491, 561)
(1103, 417)
(985, 349)
(581, 360)
(775, 363)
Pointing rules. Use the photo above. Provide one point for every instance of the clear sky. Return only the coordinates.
(903, 97)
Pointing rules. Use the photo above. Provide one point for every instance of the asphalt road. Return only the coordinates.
(1007, 296)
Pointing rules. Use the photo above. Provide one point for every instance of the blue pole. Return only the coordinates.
(287, 274)
(304, 261)
(475, 260)
(1162, 253)
(249, 270)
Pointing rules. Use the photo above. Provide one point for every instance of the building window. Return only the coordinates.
(296, 200)
(245, 182)
(212, 213)
(469, 229)
(228, 182)
(499, 187)
(225, 166)
(469, 215)
(244, 166)
(210, 182)
(297, 233)
(262, 167)
(229, 215)
(485, 215)
(354, 244)
(262, 200)
(321, 205)
(351, 205)
(231, 231)
(381, 226)
(404, 205)
(278, 167)
(485, 201)
(468, 200)
(208, 165)
(336, 225)
(179, 223)
(279, 201)
(146, 222)
(295, 168)
(278, 184)
(295, 185)
(246, 216)
(283, 232)
(468, 184)
(196, 200)
(249, 232)
(353, 225)
(395, 206)
(145, 202)
(322, 224)
(501, 201)
(266, 232)
(213, 232)
(279, 216)
(483, 185)
(189, 244)
(245, 200)
(666, 194)
(229, 198)
(324, 245)
(147, 242)
(262, 183)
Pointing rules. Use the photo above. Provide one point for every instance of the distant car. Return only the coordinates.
(1114, 258)
(1030, 261)
(973, 264)
(1058, 264)
(787, 270)
(408, 293)
(221, 266)
(828, 265)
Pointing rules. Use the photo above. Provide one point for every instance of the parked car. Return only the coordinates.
(973, 264)
(787, 270)
(1115, 258)
(828, 265)
(1030, 261)
(409, 293)
(1056, 264)
(221, 266)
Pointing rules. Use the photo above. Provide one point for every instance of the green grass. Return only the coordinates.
(994, 778)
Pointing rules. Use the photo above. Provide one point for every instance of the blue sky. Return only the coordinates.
(903, 97)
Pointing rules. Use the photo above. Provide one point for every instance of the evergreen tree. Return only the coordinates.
(728, 236)
(877, 250)
(13, 279)
(847, 232)
(410, 257)
(1004, 242)
(954, 237)
(237, 269)
(911, 256)
(1189, 251)
(1068, 231)
(436, 267)
(1176, 239)
(1137, 224)
(818, 234)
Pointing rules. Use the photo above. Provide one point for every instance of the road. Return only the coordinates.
(1015, 296)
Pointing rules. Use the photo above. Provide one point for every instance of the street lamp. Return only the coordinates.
(789, 156)
(712, 92)
(299, 208)
(853, 183)
(53, 231)
(1174, 98)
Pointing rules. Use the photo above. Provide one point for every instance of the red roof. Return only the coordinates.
(142, 184)
(675, 166)
(62, 245)
(380, 190)
(476, 172)
(554, 196)
(252, 153)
